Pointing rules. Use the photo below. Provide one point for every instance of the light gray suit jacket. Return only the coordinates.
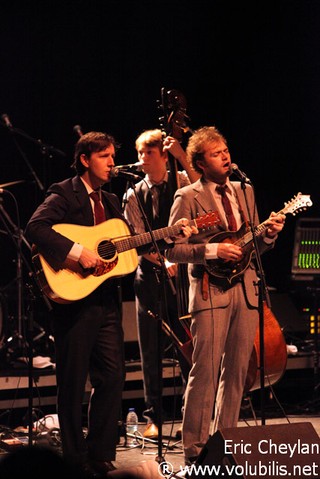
(189, 202)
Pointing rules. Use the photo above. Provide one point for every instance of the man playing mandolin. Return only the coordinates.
(223, 306)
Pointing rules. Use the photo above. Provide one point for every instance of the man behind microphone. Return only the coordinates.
(155, 192)
(88, 333)
(224, 316)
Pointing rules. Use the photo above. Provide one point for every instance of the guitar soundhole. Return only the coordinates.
(106, 249)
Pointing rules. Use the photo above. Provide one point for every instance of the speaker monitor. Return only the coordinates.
(275, 451)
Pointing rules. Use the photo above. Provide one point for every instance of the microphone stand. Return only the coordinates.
(165, 275)
(263, 295)
(124, 197)
(45, 150)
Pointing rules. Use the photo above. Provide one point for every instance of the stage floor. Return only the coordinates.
(172, 451)
(290, 401)
(147, 452)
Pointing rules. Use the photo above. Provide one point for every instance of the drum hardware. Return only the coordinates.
(25, 318)
(11, 183)
(14, 232)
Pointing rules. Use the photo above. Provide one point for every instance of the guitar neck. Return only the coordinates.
(145, 238)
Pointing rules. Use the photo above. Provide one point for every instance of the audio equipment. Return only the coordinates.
(273, 451)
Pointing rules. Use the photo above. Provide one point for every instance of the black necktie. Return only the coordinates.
(99, 213)
(157, 194)
(232, 224)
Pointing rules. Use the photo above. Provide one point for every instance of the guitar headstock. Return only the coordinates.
(207, 221)
(299, 203)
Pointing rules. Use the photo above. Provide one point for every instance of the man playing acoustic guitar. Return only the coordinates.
(87, 332)
(224, 314)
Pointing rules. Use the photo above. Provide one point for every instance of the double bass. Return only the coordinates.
(174, 122)
(275, 354)
(275, 351)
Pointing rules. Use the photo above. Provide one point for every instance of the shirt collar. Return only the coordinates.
(215, 185)
(88, 187)
(151, 183)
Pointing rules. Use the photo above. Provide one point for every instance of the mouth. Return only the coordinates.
(227, 167)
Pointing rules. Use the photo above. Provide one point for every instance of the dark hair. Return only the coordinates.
(90, 143)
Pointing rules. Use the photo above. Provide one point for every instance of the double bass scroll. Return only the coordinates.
(173, 122)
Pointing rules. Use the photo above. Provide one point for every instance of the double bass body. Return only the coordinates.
(275, 352)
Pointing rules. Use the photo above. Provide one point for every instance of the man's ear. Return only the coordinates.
(84, 160)
(200, 164)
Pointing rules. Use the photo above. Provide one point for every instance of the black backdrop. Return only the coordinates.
(252, 68)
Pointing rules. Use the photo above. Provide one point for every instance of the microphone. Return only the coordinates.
(115, 172)
(240, 174)
(77, 129)
(133, 166)
(6, 120)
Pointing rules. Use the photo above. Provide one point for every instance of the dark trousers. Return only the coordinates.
(89, 343)
(157, 297)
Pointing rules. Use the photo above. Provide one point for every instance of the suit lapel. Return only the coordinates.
(83, 200)
(204, 197)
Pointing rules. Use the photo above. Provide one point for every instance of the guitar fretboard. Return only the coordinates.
(145, 238)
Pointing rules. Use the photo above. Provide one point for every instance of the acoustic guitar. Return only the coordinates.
(229, 271)
(112, 241)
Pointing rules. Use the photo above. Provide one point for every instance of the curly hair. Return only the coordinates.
(197, 142)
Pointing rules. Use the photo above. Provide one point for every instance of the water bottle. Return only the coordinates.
(131, 427)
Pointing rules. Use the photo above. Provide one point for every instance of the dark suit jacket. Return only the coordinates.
(189, 202)
(66, 202)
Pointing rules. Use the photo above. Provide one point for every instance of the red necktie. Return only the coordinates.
(232, 224)
(99, 212)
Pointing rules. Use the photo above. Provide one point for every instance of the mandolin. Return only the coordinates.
(230, 271)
